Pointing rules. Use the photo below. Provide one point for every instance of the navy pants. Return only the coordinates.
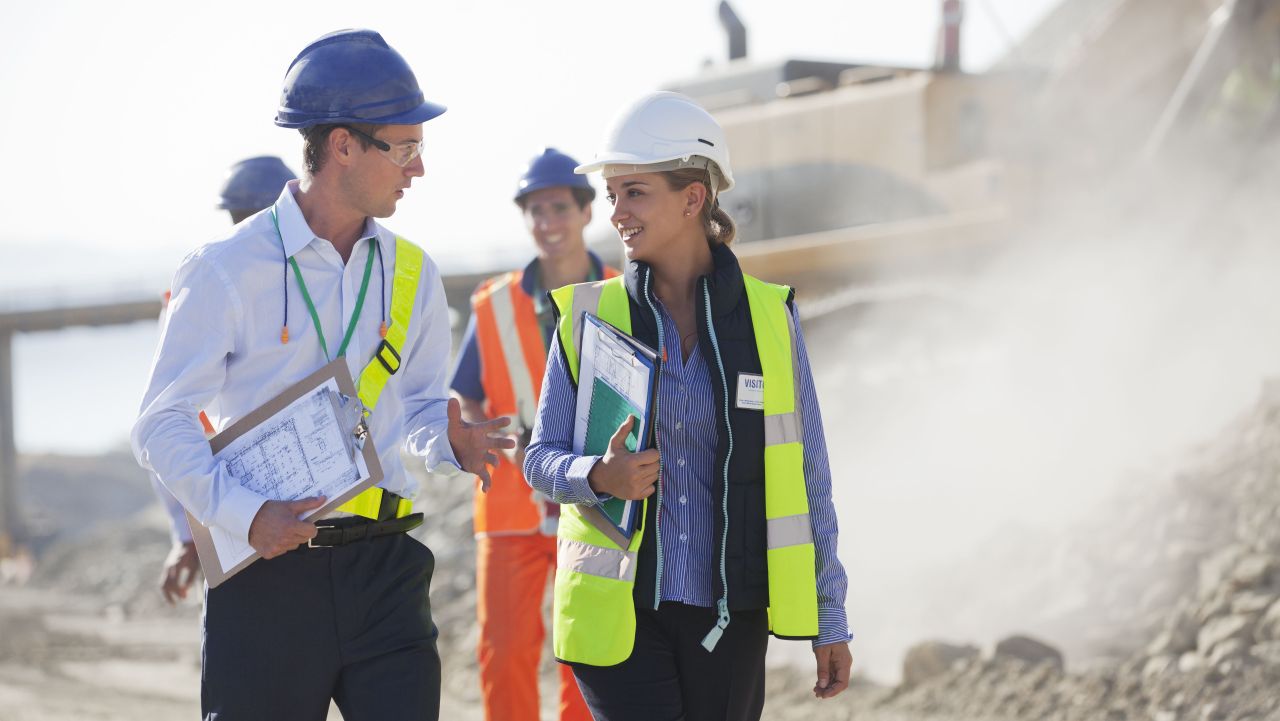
(671, 677)
(352, 624)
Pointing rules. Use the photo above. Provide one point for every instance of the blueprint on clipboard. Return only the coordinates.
(310, 440)
(304, 450)
(616, 378)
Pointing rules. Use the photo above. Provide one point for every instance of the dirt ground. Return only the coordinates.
(63, 657)
(88, 636)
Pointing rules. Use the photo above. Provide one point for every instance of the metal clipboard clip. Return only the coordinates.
(351, 414)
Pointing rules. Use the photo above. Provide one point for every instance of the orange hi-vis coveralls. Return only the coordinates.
(514, 525)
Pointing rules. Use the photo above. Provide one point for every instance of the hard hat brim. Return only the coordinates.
(602, 160)
(422, 113)
(535, 187)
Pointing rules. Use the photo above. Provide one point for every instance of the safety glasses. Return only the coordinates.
(401, 153)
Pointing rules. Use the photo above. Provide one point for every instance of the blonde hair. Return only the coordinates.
(716, 223)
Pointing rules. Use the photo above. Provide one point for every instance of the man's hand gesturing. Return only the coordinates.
(476, 445)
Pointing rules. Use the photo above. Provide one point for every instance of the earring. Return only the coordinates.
(686, 214)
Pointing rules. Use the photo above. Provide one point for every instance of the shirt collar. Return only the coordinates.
(295, 234)
(531, 281)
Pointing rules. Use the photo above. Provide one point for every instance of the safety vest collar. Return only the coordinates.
(724, 281)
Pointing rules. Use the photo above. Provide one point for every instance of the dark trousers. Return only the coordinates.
(671, 677)
(352, 624)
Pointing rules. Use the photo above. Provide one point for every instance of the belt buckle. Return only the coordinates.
(311, 542)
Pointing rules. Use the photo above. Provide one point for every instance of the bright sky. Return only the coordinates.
(121, 118)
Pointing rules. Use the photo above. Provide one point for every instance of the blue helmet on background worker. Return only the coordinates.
(352, 76)
(551, 169)
(253, 184)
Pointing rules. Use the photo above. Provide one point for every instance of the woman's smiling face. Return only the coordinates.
(647, 213)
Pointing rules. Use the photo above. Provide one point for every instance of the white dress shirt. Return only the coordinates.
(220, 351)
(179, 529)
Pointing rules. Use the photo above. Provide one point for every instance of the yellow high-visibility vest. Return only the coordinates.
(593, 611)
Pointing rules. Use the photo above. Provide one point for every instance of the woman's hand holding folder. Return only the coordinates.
(623, 474)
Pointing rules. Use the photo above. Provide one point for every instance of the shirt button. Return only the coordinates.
(679, 425)
(680, 463)
(684, 536)
(682, 388)
(684, 500)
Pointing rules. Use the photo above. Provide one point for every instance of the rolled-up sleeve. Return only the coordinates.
(833, 623)
(550, 465)
(196, 338)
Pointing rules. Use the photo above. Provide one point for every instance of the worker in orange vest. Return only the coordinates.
(499, 373)
(251, 185)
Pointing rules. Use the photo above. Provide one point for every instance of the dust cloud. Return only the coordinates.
(977, 430)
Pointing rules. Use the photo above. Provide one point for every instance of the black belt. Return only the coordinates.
(341, 531)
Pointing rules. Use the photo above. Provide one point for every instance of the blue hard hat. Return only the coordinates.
(551, 169)
(254, 183)
(351, 76)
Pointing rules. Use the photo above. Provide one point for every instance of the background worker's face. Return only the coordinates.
(555, 221)
(372, 183)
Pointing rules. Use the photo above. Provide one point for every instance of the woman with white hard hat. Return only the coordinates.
(737, 539)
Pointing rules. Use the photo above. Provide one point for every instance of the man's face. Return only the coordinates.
(374, 183)
(555, 221)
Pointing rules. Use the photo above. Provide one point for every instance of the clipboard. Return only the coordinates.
(601, 406)
(336, 371)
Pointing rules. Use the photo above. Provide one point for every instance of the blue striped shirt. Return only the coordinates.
(687, 442)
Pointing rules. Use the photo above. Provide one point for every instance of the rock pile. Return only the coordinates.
(1191, 610)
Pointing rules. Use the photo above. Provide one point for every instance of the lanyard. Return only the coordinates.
(315, 317)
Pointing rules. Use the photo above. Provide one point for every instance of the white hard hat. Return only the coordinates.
(666, 129)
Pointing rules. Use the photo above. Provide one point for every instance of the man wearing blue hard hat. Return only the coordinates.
(499, 374)
(251, 185)
(337, 608)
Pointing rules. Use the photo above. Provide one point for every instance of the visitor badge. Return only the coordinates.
(750, 392)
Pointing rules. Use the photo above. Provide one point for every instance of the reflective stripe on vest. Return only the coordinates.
(386, 361)
(593, 609)
(612, 563)
(512, 361)
(520, 341)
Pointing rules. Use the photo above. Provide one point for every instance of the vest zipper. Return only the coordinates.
(657, 513)
(722, 605)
